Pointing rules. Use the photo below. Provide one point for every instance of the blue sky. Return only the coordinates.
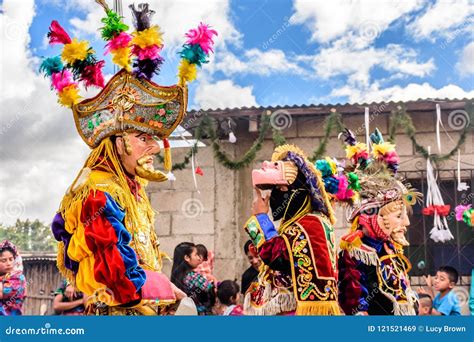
(278, 52)
(434, 56)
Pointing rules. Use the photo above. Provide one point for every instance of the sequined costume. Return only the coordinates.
(107, 245)
(299, 275)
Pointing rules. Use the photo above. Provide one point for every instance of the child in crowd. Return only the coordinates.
(445, 302)
(195, 285)
(12, 280)
(69, 302)
(228, 295)
(251, 274)
(426, 304)
(207, 265)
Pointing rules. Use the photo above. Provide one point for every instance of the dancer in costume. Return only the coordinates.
(373, 271)
(108, 248)
(300, 272)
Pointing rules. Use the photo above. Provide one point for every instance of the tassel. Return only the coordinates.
(57, 35)
(51, 65)
(167, 155)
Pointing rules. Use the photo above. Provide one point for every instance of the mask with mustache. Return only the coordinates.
(146, 171)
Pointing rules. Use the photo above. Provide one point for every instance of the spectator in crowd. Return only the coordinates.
(426, 304)
(228, 295)
(68, 301)
(195, 285)
(250, 275)
(207, 265)
(12, 280)
(446, 302)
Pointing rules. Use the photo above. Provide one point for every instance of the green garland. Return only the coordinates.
(400, 118)
(333, 120)
(249, 156)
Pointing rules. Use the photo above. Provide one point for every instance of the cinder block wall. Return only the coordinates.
(215, 213)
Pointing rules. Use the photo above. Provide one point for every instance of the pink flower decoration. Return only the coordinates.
(161, 112)
(61, 80)
(362, 154)
(460, 209)
(120, 41)
(202, 36)
(343, 193)
(391, 157)
(150, 52)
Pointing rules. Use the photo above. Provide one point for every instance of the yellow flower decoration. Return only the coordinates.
(69, 96)
(351, 151)
(121, 57)
(187, 72)
(148, 37)
(380, 150)
(332, 164)
(76, 51)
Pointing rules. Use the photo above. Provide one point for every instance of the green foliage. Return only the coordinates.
(29, 236)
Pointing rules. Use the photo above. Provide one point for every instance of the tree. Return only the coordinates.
(29, 236)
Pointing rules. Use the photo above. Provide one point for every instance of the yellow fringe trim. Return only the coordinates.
(68, 274)
(326, 308)
(113, 181)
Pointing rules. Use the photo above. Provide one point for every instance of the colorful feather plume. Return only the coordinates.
(78, 57)
(195, 51)
(147, 43)
(384, 151)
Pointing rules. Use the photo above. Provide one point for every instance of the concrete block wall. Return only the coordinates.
(216, 213)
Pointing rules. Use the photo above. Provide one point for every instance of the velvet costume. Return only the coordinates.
(299, 275)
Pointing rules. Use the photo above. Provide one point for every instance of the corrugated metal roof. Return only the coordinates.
(420, 104)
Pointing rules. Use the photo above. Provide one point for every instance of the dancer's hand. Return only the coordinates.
(177, 292)
(260, 204)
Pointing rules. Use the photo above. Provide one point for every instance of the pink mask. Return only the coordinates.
(271, 174)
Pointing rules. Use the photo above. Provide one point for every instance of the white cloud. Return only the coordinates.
(465, 66)
(445, 18)
(343, 58)
(412, 91)
(39, 147)
(15, 21)
(255, 61)
(174, 17)
(329, 20)
(223, 94)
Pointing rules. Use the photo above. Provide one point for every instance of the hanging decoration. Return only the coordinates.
(358, 151)
(400, 119)
(435, 207)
